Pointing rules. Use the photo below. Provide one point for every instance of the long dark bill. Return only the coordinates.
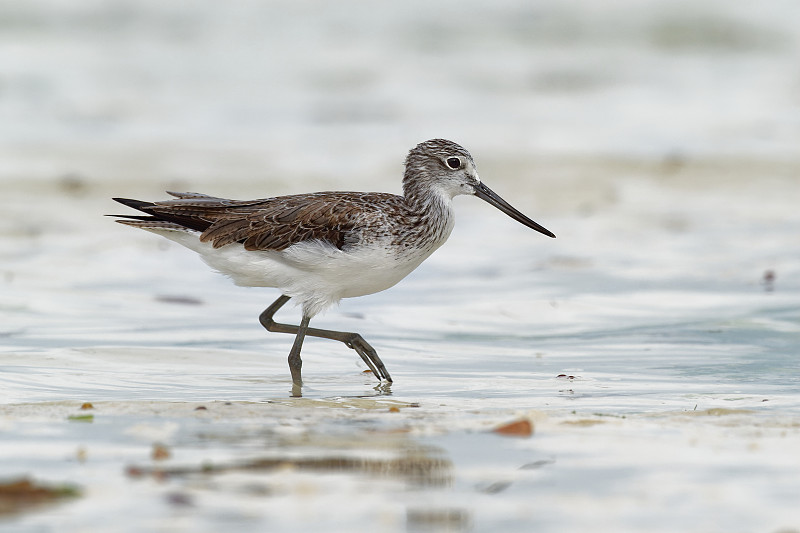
(485, 193)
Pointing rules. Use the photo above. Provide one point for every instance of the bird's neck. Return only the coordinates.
(426, 200)
(433, 210)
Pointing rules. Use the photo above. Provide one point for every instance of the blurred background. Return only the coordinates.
(113, 90)
(660, 140)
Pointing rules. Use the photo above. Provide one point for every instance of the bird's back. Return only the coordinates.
(340, 218)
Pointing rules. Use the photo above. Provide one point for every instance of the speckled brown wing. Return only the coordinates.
(274, 223)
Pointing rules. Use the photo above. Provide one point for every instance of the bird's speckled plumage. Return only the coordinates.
(321, 247)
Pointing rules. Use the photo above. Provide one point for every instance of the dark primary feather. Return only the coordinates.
(146, 207)
(270, 223)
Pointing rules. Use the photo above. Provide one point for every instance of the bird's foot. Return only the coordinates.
(369, 356)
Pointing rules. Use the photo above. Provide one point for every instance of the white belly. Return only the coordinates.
(316, 273)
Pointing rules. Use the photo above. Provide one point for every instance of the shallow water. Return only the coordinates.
(649, 345)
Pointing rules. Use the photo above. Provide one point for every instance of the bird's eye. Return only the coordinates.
(453, 162)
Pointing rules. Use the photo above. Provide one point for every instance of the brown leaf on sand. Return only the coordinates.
(160, 452)
(22, 494)
(518, 428)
